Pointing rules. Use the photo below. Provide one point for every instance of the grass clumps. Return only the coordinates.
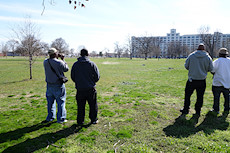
(107, 113)
(138, 111)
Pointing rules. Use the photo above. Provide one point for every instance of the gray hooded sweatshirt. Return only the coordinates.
(198, 64)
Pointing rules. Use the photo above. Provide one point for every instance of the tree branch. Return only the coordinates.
(44, 7)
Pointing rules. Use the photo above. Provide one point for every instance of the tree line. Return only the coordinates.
(26, 42)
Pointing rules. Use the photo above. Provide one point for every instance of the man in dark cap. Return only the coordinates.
(54, 69)
(85, 74)
(221, 80)
(198, 64)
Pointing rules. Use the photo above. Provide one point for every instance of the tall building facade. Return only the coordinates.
(190, 41)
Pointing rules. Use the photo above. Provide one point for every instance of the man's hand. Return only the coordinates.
(62, 56)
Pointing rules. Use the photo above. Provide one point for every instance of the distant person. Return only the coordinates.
(54, 68)
(198, 64)
(85, 74)
(221, 80)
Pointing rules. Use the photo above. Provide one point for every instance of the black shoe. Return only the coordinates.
(94, 122)
(226, 110)
(184, 112)
(80, 123)
(197, 114)
(215, 111)
(225, 113)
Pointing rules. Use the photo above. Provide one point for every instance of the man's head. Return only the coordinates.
(223, 52)
(52, 52)
(84, 52)
(201, 47)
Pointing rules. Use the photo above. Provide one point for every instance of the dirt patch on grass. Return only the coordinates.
(110, 63)
(114, 92)
(2, 96)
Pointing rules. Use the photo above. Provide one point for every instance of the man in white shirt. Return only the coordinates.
(221, 80)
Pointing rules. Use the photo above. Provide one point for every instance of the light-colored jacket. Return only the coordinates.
(222, 72)
(198, 64)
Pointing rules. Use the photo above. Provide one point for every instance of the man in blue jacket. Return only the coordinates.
(198, 64)
(85, 74)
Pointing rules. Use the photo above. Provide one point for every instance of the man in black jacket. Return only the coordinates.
(85, 74)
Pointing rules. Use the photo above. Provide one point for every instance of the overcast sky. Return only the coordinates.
(103, 22)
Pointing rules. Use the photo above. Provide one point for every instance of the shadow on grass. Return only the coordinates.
(16, 134)
(184, 128)
(12, 82)
(212, 123)
(44, 140)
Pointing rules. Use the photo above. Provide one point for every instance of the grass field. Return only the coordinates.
(139, 102)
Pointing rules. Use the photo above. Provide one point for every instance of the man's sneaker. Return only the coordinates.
(61, 122)
(94, 122)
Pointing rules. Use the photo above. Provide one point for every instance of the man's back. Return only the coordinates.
(59, 67)
(222, 72)
(85, 74)
(198, 63)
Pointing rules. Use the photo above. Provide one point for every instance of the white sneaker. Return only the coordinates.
(64, 121)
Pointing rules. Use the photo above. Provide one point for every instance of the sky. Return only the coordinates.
(101, 23)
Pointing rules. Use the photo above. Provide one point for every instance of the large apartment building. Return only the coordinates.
(191, 41)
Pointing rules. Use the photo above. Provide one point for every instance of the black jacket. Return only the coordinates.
(84, 73)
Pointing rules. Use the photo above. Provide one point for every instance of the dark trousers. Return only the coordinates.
(216, 93)
(83, 96)
(199, 86)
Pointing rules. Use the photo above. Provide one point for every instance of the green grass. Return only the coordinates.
(139, 102)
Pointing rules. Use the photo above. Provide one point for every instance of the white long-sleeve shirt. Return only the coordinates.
(222, 72)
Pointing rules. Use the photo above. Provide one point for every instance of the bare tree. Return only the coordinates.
(184, 51)
(30, 47)
(27, 35)
(12, 44)
(44, 48)
(93, 54)
(176, 50)
(4, 49)
(156, 46)
(210, 40)
(128, 47)
(171, 50)
(72, 50)
(126, 52)
(146, 45)
(61, 45)
(118, 49)
(106, 52)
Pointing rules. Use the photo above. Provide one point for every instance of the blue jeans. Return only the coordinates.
(56, 92)
(216, 93)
